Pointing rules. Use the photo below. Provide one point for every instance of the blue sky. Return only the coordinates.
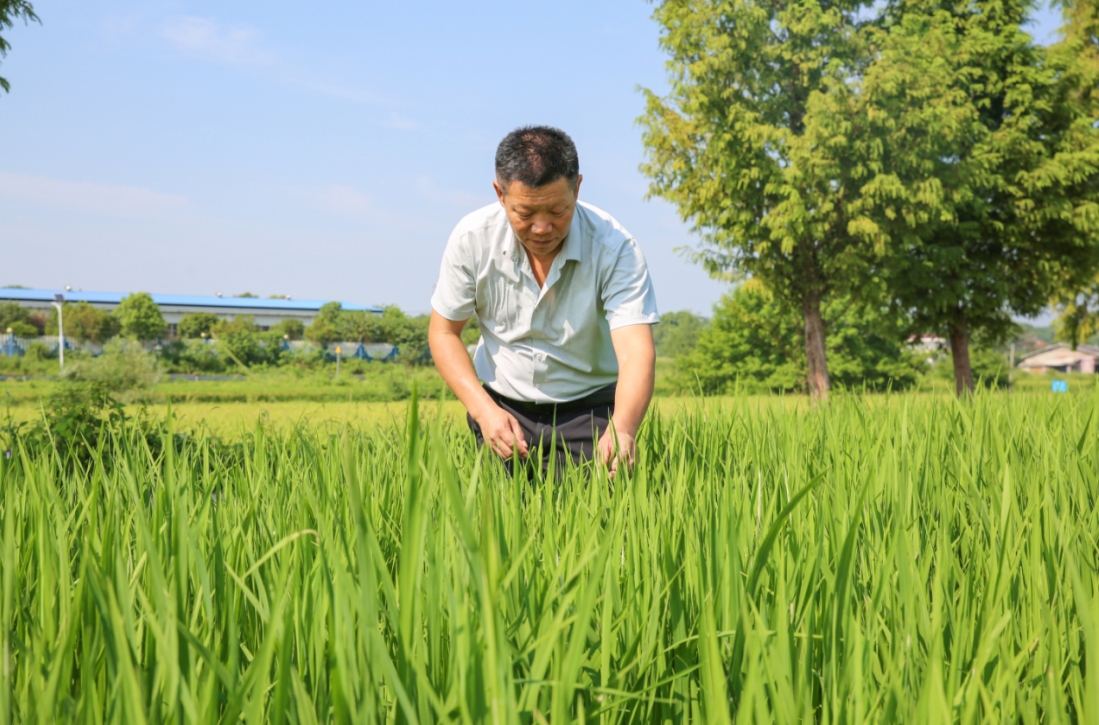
(321, 150)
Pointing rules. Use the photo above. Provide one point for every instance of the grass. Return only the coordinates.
(907, 559)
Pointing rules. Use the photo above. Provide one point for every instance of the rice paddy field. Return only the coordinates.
(904, 559)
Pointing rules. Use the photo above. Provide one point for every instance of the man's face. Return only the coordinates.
(540, 215)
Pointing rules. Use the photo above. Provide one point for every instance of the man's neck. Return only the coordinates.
(540, 264)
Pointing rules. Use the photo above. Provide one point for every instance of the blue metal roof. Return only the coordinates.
(114, 298)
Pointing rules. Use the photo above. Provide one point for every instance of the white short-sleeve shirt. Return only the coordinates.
(548, 344)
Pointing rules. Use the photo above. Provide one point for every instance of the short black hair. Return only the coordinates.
(536, 156)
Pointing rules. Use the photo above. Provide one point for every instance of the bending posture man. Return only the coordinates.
(565, 306)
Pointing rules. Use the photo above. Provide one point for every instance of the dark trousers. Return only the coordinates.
(563, 431)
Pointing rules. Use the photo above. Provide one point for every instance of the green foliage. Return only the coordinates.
(193, 356)
(471, 333)
(993, 199)
(294, 329)
(327, 325)
(140, 317)
(991, 367)
(875, 561)
(239, 338)
(10, 11)
(84, 323)
(393, 326)
(193, 324)
(752, 342)
(38, 351)
(20, 329)
(677, 333)
(762, 145)
(124, 368)
(18, 319)
(935, 147)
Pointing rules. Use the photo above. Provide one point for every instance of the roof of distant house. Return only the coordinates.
(1058, 354)
(114, 298)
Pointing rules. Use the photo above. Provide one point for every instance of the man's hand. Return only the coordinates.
(502, 432)
(499, 428)
(617, 447)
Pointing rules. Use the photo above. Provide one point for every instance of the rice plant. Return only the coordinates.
(907, 559)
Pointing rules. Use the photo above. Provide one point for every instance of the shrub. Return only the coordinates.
(124, 368)
(192, 325)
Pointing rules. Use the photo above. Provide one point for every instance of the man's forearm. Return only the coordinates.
(636, 378)
(453, 363)
(632, 397)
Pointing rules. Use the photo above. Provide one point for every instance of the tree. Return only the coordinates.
(1078, 309)
(10, 11)
(762, 145)
(996, 181)
(327, 325)
(193, 324)
(752, 342)
(84, 322)
(140, 317)
(18, 319)
(677, 333)
(294, 329)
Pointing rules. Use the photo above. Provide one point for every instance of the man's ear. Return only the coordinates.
(576, 191)
(499, 191)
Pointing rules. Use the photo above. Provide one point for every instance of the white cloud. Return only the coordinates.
(207, 39)
(108, 200)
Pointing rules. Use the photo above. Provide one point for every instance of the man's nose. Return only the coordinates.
(541, 227)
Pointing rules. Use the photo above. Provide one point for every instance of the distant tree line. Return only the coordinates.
(139, 318)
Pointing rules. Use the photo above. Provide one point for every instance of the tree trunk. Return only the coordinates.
(959, 353)
(816, 361)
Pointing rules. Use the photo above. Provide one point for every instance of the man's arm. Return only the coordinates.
(500, 429)
(633, 346)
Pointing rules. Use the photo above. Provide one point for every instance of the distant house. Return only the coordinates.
(266, 312)
(1060, 357)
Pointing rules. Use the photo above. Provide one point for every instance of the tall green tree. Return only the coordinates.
(84, 322)
(10, 11)
(990, 197)
(140, 317)
(761, 144)
(1078, 309)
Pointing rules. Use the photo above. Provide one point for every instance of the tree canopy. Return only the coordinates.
(195, 324)
(84, 322)
(140, 317)
(997, 188)
(923, 151)
(761, 146)
(10, 11)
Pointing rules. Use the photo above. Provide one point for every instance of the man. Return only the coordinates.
(565, 307)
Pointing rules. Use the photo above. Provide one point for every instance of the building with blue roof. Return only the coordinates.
(267, 312)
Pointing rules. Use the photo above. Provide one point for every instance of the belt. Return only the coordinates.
(595, 399)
